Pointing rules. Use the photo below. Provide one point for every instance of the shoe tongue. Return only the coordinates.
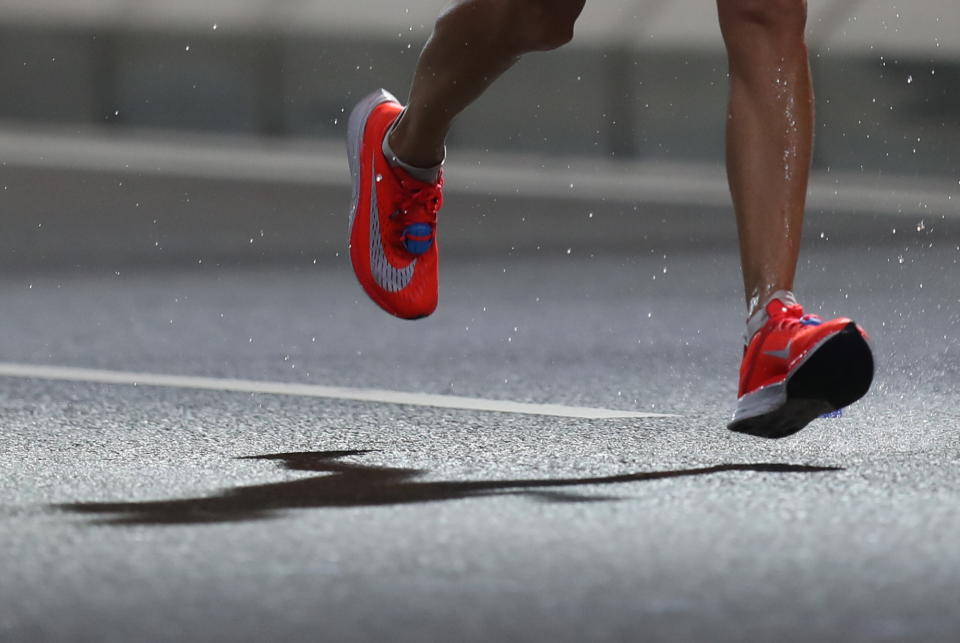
(781, 303)
(781, 299)
(412, 184)
(776, 306)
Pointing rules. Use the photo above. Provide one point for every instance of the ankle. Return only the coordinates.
(408, 146)
(423, 174)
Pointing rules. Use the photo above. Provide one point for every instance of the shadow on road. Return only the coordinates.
(347, 484)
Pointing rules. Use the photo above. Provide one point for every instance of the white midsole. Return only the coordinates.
(355, 128)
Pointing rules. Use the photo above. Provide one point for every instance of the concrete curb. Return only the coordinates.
(90, 200)
(322, 163)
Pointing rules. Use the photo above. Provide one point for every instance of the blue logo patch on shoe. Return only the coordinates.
(811, 320)
(418, 238)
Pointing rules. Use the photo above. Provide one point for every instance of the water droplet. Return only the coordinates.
(909, 79)
(379, 177)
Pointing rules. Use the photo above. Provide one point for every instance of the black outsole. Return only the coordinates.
(838, 374)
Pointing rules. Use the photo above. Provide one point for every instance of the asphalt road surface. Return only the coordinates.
(141, 513)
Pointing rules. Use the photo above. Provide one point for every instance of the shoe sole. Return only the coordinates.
(836, 374)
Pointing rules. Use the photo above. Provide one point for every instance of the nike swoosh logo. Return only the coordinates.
(385, 274)
(781, 354)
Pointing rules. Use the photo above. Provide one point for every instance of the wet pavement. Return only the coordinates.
(138, 513)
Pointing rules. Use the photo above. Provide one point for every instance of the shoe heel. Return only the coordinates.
(839, 372)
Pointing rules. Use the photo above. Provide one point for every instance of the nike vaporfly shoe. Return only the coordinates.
(393, 219)
(797, 367)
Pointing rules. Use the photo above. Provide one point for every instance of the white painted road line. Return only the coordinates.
(98, 376)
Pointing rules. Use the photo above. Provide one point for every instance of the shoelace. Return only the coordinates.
(419, 204)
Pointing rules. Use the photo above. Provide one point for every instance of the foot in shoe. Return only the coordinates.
(797, 367)
(393, 217)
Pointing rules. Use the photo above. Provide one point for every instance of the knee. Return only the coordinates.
(548, 23)
(520, 25)
(778, 18)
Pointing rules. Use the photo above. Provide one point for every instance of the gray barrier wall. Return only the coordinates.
(887, 105)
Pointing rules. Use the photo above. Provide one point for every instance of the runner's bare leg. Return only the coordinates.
(769, 136)
(770, 121)
(473, 43)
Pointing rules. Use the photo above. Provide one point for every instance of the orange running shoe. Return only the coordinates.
(393, 218)
(798, 367)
